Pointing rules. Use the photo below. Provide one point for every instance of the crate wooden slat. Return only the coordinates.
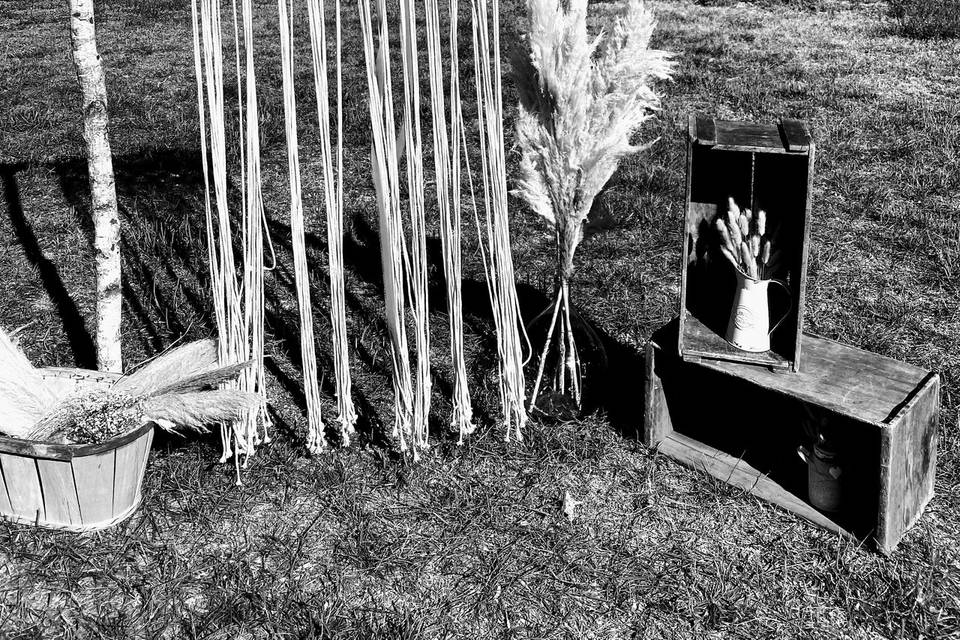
(742, 424)
(768, 167)
(73, 487)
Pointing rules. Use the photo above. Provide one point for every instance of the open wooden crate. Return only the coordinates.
(767, 167)
(743, 424)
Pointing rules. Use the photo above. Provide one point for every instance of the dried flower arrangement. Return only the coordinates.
(178, 390)
(582, 100)
(744, 240)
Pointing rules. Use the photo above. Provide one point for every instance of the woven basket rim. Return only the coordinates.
(59, 451)
(75, 373)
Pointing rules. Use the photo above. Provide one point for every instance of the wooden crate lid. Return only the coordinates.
(789, 136)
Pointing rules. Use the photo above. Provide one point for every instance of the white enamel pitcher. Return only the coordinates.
(749, 328)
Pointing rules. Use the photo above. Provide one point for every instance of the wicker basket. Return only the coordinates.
(76, 487)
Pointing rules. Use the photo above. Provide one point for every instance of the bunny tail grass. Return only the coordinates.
(196, 410)
(185, 361)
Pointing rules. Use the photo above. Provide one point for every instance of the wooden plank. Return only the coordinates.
(127, 475)
(685, 250)
(908, 464)
(656, 417)
(804, 257)
(738, 473)
(699, 341)
(849, 381)
(796, 136)
(5, 506)
(59, 492)
(23, 486)
(94, 478)
(748, 136)
(706, 131)
(147, 443)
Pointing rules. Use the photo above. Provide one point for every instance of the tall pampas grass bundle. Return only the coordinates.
(178, 390)
(582, 99)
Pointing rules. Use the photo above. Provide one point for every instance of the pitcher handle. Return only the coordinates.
(786, 313)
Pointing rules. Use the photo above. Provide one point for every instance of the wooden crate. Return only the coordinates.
(73, 487)
(767, 167)
(743, 424)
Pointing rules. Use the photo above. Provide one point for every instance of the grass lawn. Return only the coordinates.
(472, 542)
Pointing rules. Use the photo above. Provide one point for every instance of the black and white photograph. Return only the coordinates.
(479, 319)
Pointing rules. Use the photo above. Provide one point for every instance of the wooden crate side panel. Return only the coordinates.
(23, 486)
(656, 417)
(127, 474)
(908, 467)
(685, 250)
(804, 257)
(59, 491)
(94, 478)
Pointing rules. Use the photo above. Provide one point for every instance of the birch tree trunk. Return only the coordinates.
(103, 193)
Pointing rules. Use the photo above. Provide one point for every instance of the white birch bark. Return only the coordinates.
(103, 193)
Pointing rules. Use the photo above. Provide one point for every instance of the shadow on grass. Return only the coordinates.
(165, 291)
(74, 325)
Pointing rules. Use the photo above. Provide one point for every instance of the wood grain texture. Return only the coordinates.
(909, 458)
(5, 506)
(849, 381)
(700, 342)
(748, 136)
(145, 457)
(804, 256)
(23, 487)
(60, 499)
(706, 131)
(656, 418)
(795, 135)
(882, 414)
(750, 163)
(94, 477)
(126, 484)
(738, 473)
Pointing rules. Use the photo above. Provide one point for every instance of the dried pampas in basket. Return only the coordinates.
(74, 444)
(178, 390)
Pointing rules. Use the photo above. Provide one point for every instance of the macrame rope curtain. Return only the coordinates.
(237, 303)
(403, 220)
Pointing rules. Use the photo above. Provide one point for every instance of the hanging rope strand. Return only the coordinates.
(500, 274)
(418, 239)
(316, 440)
(385, 161)
(333, 197)
(238, 305)
(448, 201)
